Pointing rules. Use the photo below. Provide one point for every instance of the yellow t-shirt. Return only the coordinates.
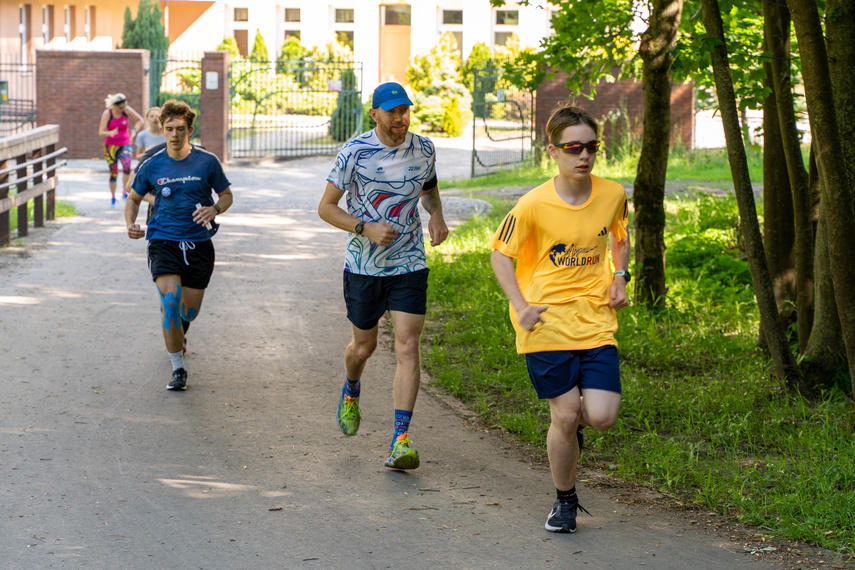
(562, 254)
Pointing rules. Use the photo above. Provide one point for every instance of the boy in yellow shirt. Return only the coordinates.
(563, 295)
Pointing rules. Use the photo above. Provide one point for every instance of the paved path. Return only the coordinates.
(103, 468)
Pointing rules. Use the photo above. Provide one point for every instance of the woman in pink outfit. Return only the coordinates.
(118, 134)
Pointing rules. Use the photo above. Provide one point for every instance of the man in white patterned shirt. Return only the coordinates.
(385, 173)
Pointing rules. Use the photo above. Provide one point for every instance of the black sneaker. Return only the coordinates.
(562, 517)
(179, 380)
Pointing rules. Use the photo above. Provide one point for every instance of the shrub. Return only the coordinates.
(346, 118)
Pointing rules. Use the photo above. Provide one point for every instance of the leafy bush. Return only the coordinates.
(259, 48)
(347, 115)
(435, 78)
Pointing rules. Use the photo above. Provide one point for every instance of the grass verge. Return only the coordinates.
(703, 418)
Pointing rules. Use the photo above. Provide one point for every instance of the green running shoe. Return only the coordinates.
(347, 414)
(401, 456)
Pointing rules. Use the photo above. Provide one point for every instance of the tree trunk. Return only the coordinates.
(785, 363)
(777, 20)
(778, 233)
(836, 190)
(648, 198)
(840, 31)
(825, 351)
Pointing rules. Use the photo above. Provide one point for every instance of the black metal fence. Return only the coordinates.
(288, 109)
(503, 124)
(17, 95)
(177, 76)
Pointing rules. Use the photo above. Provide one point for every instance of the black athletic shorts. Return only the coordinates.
(368, 297)
(192, 261)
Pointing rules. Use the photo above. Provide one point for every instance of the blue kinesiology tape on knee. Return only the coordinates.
(171, 309)
(189, 313)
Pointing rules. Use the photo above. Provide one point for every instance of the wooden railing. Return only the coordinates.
(28, 163)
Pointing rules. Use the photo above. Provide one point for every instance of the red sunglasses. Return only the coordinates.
(576, 147)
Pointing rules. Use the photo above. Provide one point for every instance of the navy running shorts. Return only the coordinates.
(556, 372)
(192, 261)
(367, 297)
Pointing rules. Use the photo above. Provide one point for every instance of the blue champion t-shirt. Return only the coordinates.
(178, 185)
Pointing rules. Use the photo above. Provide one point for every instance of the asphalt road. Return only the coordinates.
(104, 468)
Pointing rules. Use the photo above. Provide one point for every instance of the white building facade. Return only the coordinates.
(383, 36)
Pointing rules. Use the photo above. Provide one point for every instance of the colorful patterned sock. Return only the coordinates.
(402, 424)
(351, 387)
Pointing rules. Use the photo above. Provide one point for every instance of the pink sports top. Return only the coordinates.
(123, 137)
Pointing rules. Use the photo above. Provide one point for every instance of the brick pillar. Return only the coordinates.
(214, 103)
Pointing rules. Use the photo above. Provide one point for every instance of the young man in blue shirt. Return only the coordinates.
(180, 252)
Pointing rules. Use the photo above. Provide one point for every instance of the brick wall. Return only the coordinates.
(71, 88)
(214, 104)
(623, 97)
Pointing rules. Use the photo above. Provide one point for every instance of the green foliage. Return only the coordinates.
(146, 31)
(259, 48)
(435, 78)
(291, 60)
(479, 58)
(703, 419)
(347, 118)
(229, 44)
(452, 117)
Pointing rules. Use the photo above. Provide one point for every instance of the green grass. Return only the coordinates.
(703, 418)
(63, 210)
(709, 165)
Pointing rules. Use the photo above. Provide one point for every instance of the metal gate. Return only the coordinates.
(503, 123)
(288, 109)
(17, 95)
(179, 77)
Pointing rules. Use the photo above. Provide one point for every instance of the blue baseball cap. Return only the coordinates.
(390, 95)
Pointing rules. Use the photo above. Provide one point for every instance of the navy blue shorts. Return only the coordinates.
(193, 262)
(556, 372)
(368, 297)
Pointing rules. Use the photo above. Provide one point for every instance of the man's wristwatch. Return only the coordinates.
(623, 273)
(359, 227)
(217, 208)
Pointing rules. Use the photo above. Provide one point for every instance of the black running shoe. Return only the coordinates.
(179, 380)
(562, 517)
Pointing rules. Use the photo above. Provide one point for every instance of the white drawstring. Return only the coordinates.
(184, 246)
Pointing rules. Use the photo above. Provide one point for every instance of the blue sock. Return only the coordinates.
(402, 424)
(351, 387)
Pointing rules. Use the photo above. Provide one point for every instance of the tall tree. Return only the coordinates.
(782, 357)
(146, 31)
(835, 177)
(777, 28)
(656, 51)
(778, 233)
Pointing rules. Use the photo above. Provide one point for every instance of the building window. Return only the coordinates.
(502, 38)
(458, 37)
(507, 17)
(397, 15)
(292, 14)
(69, 26)
(343, 16)
(47, 24)
(241, 14)
(89, 26)
(345, 38)
(292, 34)
(452, 16)
(24, 32)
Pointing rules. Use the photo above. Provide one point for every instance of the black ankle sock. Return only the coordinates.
(567, 496)
(185, 324)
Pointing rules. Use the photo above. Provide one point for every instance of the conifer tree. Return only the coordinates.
(146, 31)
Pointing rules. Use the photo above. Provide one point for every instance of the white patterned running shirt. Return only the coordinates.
(383, 184)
